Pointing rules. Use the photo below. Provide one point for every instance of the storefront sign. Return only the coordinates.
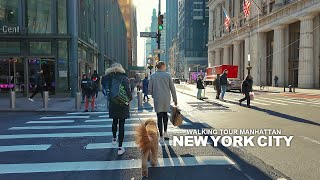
(10, 29)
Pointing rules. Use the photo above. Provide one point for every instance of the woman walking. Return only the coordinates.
(162, 88)
(246, 88)
(118, 112)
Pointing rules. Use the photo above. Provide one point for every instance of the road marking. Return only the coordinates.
(311, 140)
(297, 101)
(270, 102)
(65, 117)
(282, 101)
(130, 144)
(81, 113)
(134, 114)
(66, 127)
(50, 122)
(40, 147)
(60, 135)
(111, 165)
(130, 119)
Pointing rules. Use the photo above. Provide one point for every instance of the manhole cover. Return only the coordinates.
(72, 142)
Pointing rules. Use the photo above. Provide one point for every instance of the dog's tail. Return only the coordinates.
(143, 137)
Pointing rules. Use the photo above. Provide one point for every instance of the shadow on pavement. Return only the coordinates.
(285, 116)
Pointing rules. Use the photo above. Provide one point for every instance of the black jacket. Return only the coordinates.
(223, 79)
(86, 87)
(246, 86)
(39, 80)
(117, 111)
(200, 84)
(217, 82)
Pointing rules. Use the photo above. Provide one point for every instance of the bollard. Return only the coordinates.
(12, 99)
(78, 101)
(139, 98)
(45, 99)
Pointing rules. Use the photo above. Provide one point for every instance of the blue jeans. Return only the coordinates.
(223, 91)
(199, 94)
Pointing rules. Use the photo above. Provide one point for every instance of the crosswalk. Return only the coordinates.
(277, 100)
(45, 137)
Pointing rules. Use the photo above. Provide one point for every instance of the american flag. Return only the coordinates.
(226, 20)
(246, 8)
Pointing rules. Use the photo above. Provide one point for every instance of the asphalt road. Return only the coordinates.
(77, 146)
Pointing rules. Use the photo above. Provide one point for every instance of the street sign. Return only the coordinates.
(159, 51)
(148, 34)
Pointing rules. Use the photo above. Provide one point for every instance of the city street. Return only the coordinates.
(78, 145)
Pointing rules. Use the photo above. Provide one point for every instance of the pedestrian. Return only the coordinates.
(217, 85)
(160, 87)
(276, 81)
(39, 84)
(84, 81)
(145, 87)
(93, 76)
(246, 88)
(118, 112)
(223, 83)
(200, 87)
(90, 90)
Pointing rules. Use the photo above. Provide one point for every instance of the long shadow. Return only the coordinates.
(285, 116)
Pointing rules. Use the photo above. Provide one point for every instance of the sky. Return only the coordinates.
(144, 13)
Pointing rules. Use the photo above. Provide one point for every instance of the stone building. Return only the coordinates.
(281, 36)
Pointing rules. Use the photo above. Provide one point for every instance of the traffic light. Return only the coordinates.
(160, 22)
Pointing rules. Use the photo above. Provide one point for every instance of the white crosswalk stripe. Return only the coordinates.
(80, 125)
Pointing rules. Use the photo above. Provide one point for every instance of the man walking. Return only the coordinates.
(223, 83)
(217, 85)
(200, 86)
(145, 84)
(39, 83)
(276, 81)
(161, 87)
(246, 88)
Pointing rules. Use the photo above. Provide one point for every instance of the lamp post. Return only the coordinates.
(249, 66)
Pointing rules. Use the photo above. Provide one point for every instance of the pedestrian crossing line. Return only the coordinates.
(111, 165)
(40, 147)
(130, 119)
(50, 122)
(60, 135)
(66, 127)
(134, 114)
(65, 117)
(304, 102)
(85, 113)
(279, 100)
(253, 102)
(270, 102)
(130, 144)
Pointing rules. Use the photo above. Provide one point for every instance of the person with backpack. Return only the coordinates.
(119, 99)
(90, 90)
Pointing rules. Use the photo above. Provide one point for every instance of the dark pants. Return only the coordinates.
(36, 91)
(121, 129)
(218, 88)
(145, 96)
(162, 118)
(247, 97)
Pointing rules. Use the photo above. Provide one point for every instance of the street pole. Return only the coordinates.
(159, 34)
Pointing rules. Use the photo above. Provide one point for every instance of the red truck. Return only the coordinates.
(234, 81)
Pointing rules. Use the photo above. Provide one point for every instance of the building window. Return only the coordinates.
(63, 68)
(9, 47)
(39, 17)
(40, 48)
(271, 6)
(9, 12)
(62, 16)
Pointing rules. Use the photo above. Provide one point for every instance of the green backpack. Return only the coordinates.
(118, 93)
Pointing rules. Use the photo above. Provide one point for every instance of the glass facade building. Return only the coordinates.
(64, 38)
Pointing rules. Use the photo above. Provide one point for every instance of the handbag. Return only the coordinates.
(176, 117)
(251, 94)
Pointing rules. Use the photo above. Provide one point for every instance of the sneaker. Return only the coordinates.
(114, 141)
(31, 100)
(86, 111)
(121, 151)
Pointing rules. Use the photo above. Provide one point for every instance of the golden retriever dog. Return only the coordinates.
(146, 137)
